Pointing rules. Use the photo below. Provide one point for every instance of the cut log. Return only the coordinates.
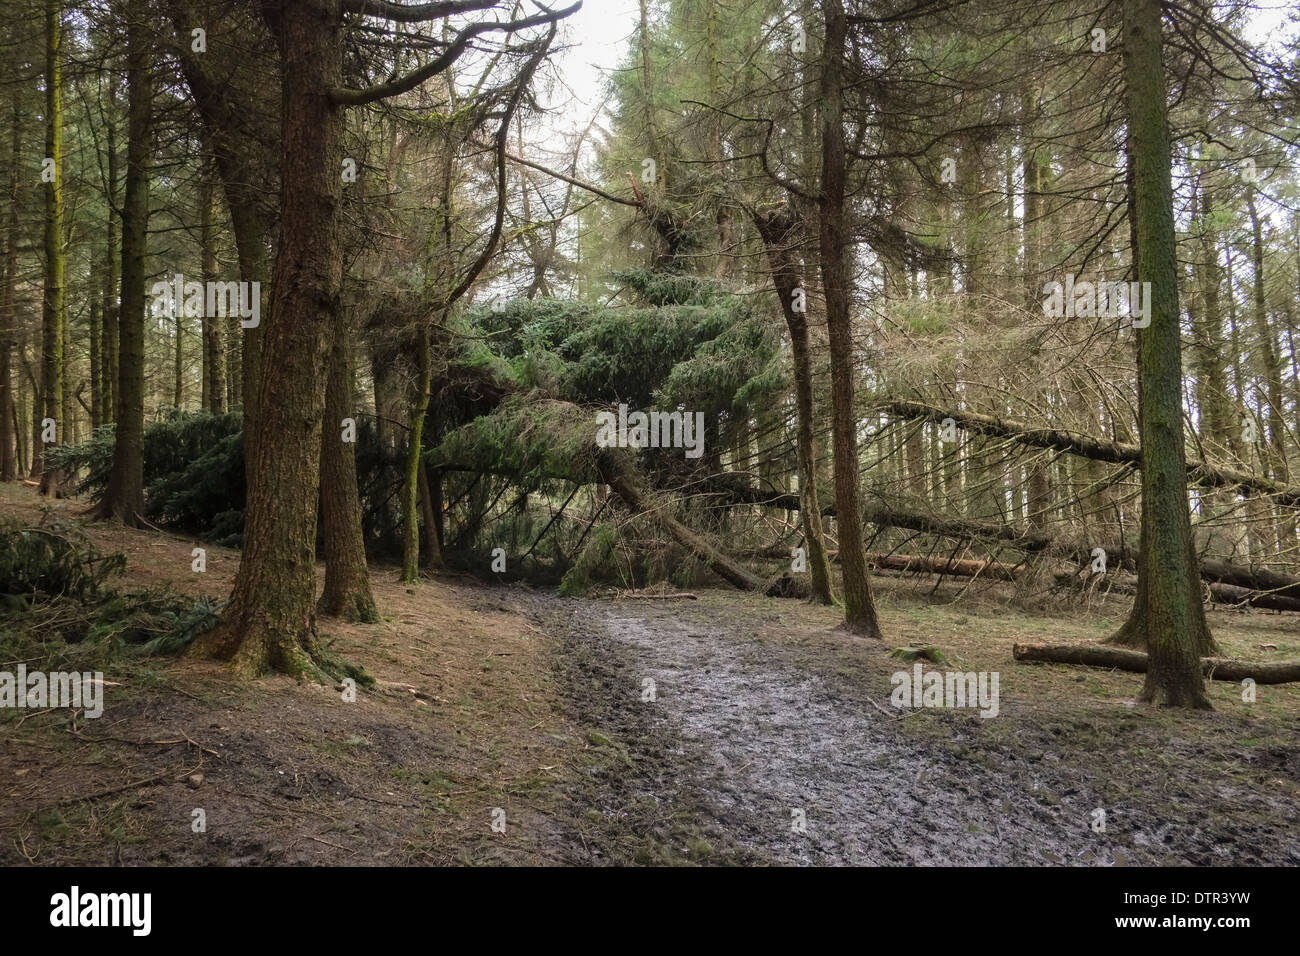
(1117, 658)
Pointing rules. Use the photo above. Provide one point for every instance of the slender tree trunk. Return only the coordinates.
(411, 474)
(109, 311)
(1168, 611)
(778, 230)
(52, 302)
(96, 362)
(388, 408)
(124, 497)
(430, 509)
(214, 359)
(10, 455)
(248, 175)
(859, 607)
(1272, 369)
(347, 582)
(1039, 499)
(178, 364)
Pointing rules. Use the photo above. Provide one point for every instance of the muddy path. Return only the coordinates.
(785, 750)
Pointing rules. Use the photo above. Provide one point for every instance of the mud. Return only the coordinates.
(752, 732)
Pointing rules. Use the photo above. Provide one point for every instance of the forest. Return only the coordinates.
(649, 433)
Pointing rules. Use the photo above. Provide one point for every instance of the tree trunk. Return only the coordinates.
(411, 473)
(109, 312)
(430, 510)
(347, 582)
(859, 607)
(249, 174)
(269, 624)
(1271, 366)
(52, 300)
(10, 459)
(1168, 611)
(778, 230)
(1199, 472)
(214, 376)
(1099, 655)
(178, 364)
(96, 362)
(124, 497)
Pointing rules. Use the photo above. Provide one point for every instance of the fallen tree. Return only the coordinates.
(1228, 583)
(1200, 473)
(1231, 594)
(1253, 579)
(619, 474)
(1118, 658)
(933, 564)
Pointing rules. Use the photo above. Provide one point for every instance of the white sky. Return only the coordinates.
(597, 38)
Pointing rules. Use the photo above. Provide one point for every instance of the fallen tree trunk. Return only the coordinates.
(961, 567)
(733, 489)
(1258, 587)
(1260, 579)
(1231, 594)
(620, 477)
(1085, 446)
(1117, 658)
(635, 596)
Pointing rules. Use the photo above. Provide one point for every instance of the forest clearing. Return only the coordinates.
(728, 434)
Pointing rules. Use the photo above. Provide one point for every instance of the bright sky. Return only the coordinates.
(597, 37)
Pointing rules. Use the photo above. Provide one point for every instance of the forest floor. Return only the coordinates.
(763, 716)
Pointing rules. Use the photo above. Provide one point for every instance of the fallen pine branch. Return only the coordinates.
(1117, 658)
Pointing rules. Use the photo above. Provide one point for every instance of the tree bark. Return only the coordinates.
(214, 375)
(347, 581)
(859, 607)
(1168, 612)
(244, 153)
(52, 300)
(778, 230)
(109, 313)
(1100, 655)
(270, 623)
(124, 497)
(10, 460)
(414, 440)
(430, 511)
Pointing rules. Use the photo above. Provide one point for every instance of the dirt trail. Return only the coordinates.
(760, 728)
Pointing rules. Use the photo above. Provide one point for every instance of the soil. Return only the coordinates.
(767, 737)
